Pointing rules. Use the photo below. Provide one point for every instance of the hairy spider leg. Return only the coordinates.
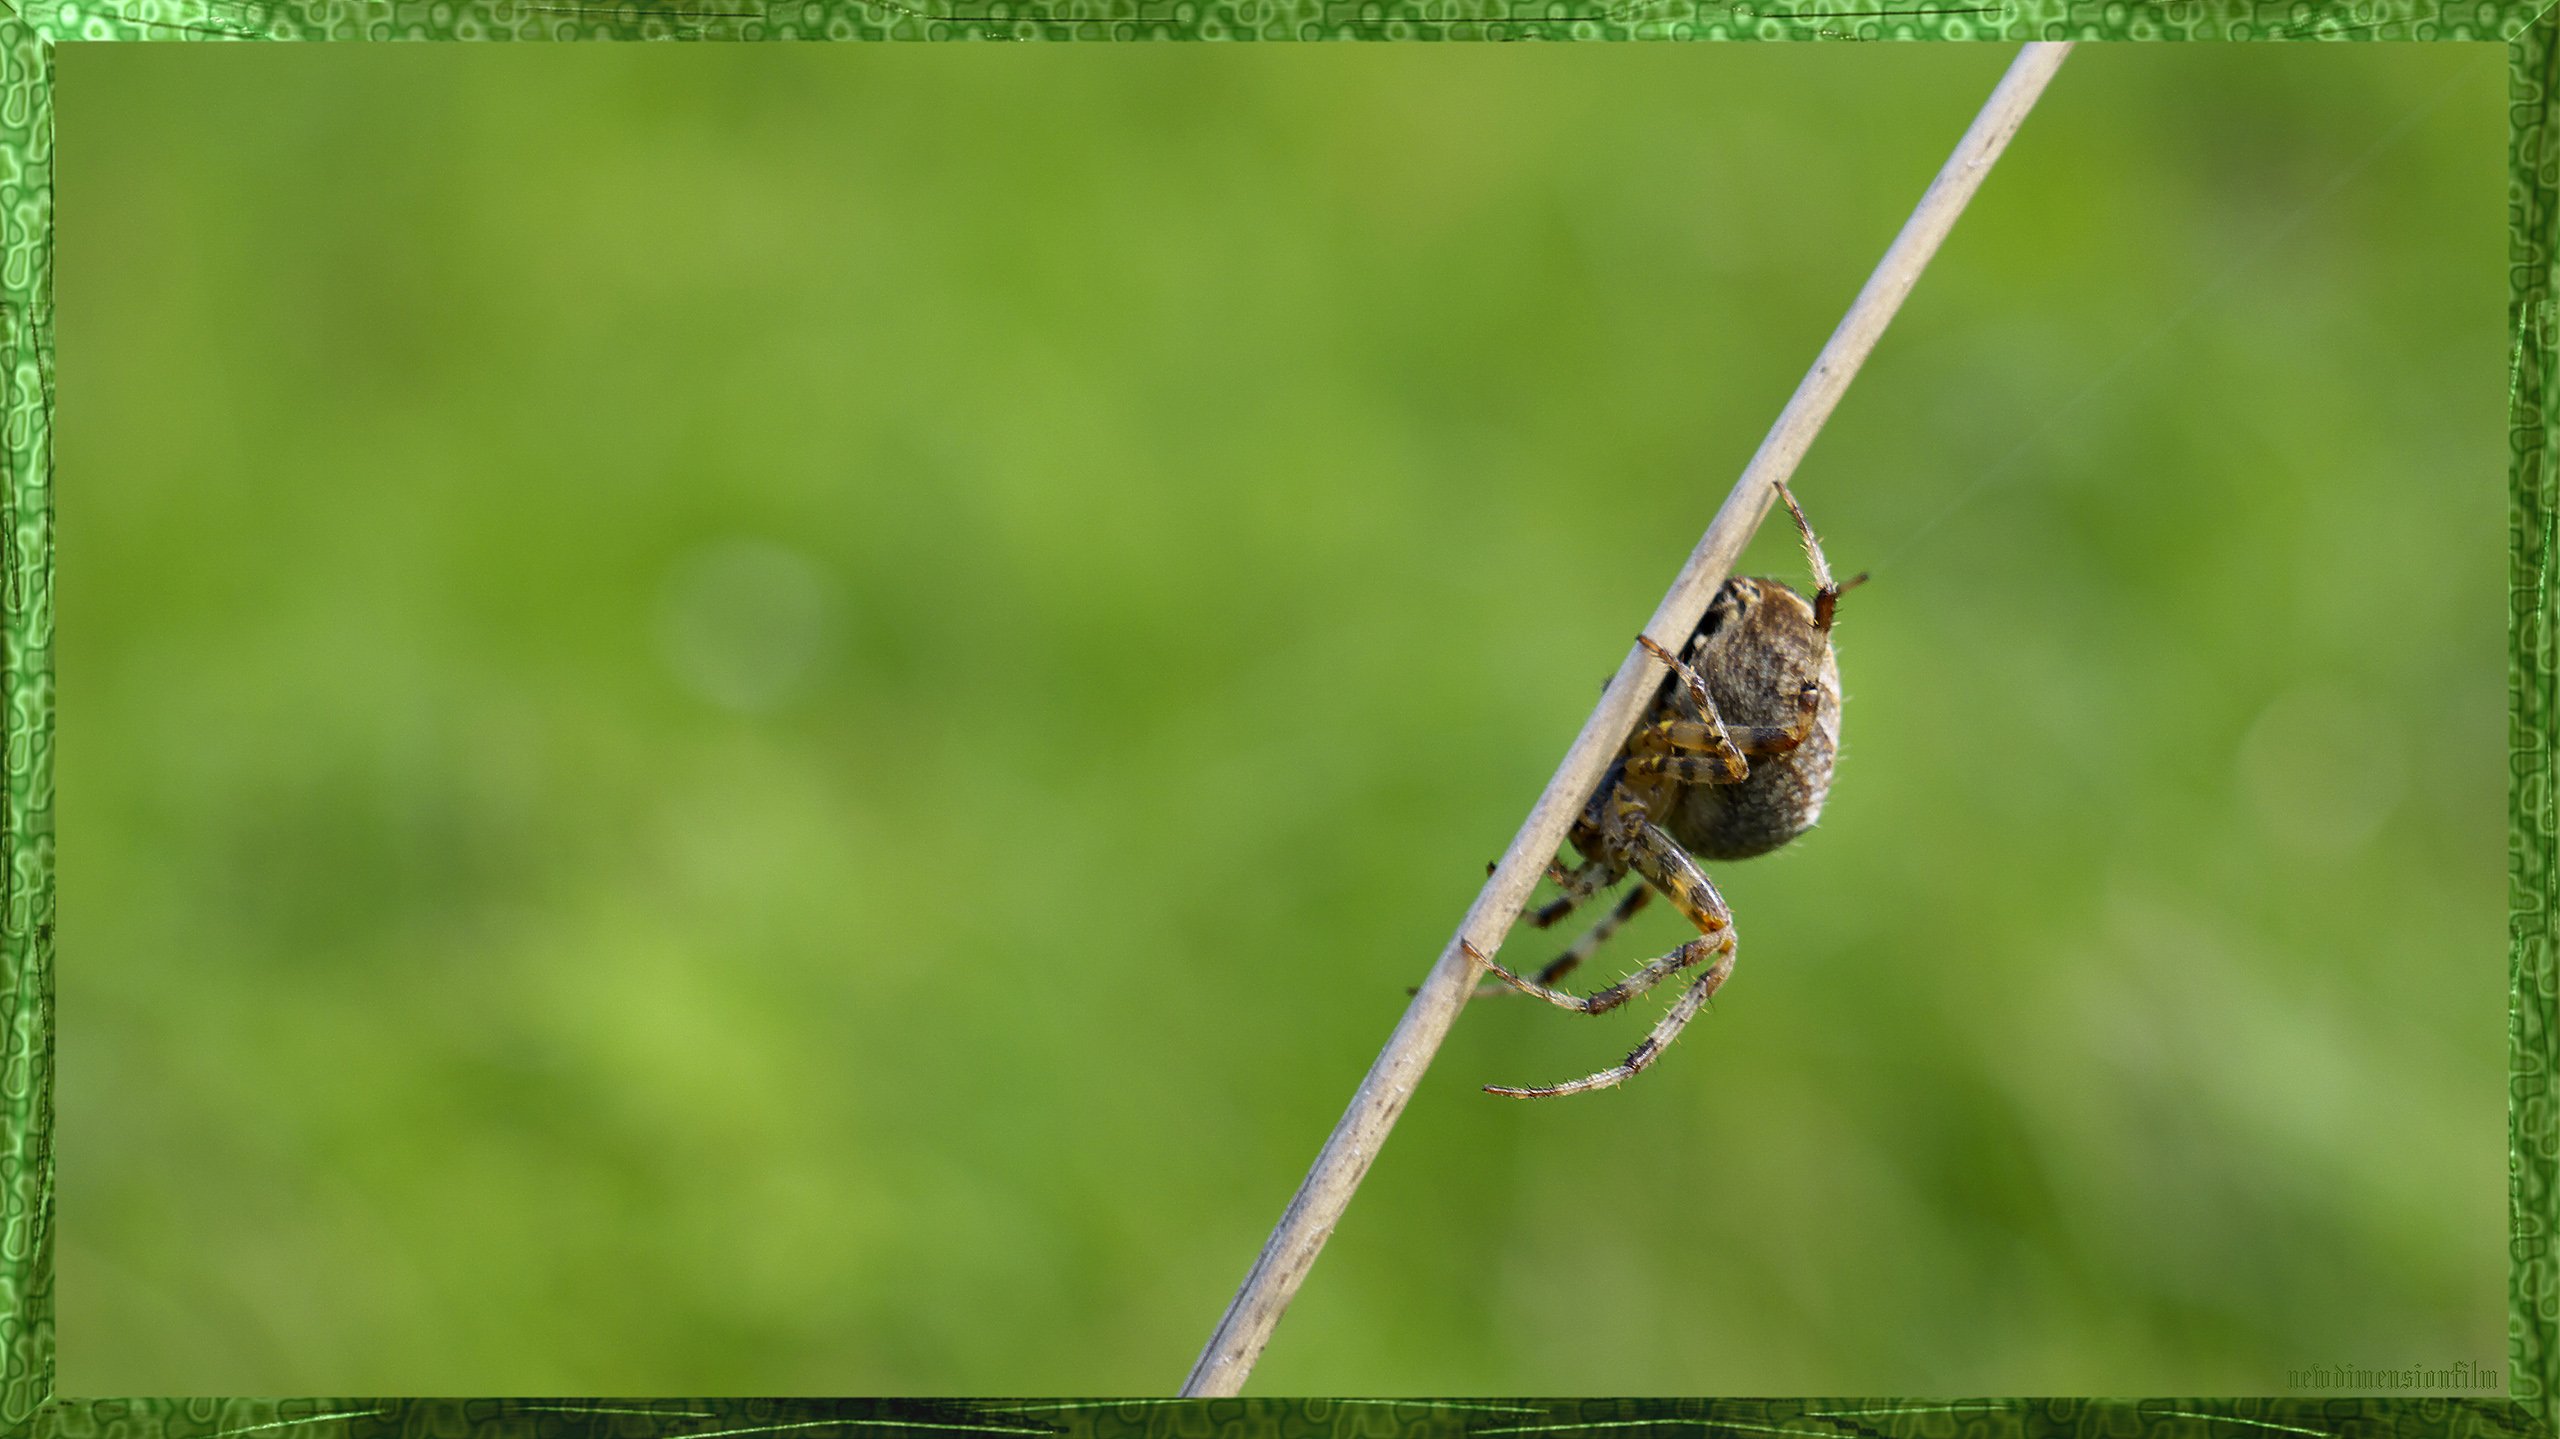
(1688, 751)
(1555, 871)
(1581, 949)
(1669, 868)
(1578, 884)
(1597, 935)
(1674, 1020)
(1812, 546)
(1710, 737)
(1826, 595)
(1602, 1001)
(1669, 746)
(1669, 749)
(1761, 740)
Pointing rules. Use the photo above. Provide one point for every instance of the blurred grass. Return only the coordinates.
(787, 719)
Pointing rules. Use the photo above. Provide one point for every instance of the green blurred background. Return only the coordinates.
(789, 718)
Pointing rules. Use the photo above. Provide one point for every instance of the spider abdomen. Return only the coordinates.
(1757, 649)
(1781, 799)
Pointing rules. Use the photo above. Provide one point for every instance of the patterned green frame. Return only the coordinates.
(27, 36)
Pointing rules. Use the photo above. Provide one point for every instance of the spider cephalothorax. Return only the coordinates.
(1733, 758)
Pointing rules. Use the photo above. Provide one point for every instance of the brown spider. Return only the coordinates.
(1731, 761)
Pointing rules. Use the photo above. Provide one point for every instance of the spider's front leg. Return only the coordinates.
(1667, 867)
(1706, 750)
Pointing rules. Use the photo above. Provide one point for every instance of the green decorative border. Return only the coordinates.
(2351, 1418)
(2003, 20)
(27, 37)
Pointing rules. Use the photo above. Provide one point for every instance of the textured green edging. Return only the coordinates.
(1288, 1418)
(2008, 20)
(2532, 668)
(26, 829)
(26, 672)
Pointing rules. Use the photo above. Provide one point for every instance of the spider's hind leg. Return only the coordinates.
(1674, 1020)
(1578, 884)
(1667, 867)
(1581, 949)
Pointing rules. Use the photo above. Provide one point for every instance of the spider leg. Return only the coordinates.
(1826, 595)
(1555, 871)
(1592, 938)
(1690, 685)
(1675, 1019)
(1689, 752)
(1703, 750)
(1603, 1000)
(1578, 884)
(1667, 867)
(1812, 546)
(1757, 740)
(1596, 936)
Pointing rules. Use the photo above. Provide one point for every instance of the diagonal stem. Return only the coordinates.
(1321, 1198)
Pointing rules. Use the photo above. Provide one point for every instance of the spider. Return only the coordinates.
(1732, 759)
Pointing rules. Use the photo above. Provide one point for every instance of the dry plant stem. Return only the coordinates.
(1347, 1153)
